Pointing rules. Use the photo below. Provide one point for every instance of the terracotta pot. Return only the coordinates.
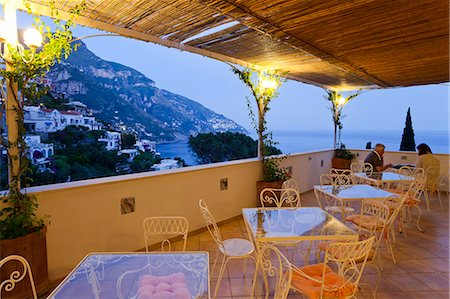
(260, 185)
(33, 247)
(340, 163)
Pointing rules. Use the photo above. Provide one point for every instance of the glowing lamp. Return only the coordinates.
(32, 38)
(3, 33)
(267, 83)
(340, 100)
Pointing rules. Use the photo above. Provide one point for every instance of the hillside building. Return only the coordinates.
(112, 139)
(42, 120)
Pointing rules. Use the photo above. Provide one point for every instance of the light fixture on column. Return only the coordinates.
(31, 37)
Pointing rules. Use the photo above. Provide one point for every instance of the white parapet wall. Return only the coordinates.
(86, 215)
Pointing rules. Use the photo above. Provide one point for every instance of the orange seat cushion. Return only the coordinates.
(366, 221)
(335, 286)
(411, 201)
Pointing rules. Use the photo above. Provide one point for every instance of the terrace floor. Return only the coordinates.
(422, 268)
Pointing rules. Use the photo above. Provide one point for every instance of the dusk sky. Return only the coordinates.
(298, 107)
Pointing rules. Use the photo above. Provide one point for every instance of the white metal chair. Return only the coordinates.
(165, 227)
(274, 264)
(413, 195)
(336, 171)
(233, 248)
(359, 167)
(395, 204)
(371, 222)
(331, 204)
(17, 275)
(432, 184)
(290, 184)
(280, 197)
(321, 281)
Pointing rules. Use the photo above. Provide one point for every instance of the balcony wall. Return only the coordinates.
(86, 215)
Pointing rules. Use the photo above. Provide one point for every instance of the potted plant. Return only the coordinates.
(264, 87)
(22, 232)
(342, 158)
(337, 104)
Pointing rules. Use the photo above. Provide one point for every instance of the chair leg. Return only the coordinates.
(439, 196)
(219, 278)
(418, 219)
(215, 261)
(427, 199)
(245, 267)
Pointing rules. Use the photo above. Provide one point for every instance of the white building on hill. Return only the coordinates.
(38, 152)
(145, 145)
(38, 119)
(166, 164)
(112, 140)
(131, 153)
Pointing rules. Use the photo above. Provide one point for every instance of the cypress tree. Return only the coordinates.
(408, 143)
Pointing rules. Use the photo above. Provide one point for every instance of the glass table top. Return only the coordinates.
(272, 224)
(354, 192)
(386, 176)
(138, 275)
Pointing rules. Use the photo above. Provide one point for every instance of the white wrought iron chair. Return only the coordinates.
(321, 281)
(395, 204)
(283, 198)
(359, 167)
(17, 275)
(275, 265)
(371, 222)
(233, 248)
(290, 184)
(432, 184)
(280, 197)
(165, 227)
(336, 171)
(413, 195)
(331, 204)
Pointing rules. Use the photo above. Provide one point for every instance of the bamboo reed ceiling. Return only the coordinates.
(330, 43)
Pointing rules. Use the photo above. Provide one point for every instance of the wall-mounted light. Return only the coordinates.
(32, 39)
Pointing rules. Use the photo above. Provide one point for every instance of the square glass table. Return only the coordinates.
(347, 193)
(137, 275)
(380, 178)
(294, 224)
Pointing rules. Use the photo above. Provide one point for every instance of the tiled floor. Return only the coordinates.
(422, 269)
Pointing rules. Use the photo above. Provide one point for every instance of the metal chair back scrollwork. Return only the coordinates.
(276, 266)
(279, 197)
(165, 226)
(21, 270)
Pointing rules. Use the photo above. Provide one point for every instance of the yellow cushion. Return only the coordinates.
(335, 286)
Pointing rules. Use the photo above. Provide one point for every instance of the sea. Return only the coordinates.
(304, 141)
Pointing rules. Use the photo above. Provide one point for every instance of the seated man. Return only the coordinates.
(375, 158)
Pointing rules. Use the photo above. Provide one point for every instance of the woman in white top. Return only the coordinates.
(430, 164)
(425, 157)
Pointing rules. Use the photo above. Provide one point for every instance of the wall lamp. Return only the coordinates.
(31, 38)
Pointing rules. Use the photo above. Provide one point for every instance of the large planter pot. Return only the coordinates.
(33, 247)
(341, 163)
(260, 185)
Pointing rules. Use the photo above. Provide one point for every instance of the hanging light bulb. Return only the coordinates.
(268, 83)
(340, 100)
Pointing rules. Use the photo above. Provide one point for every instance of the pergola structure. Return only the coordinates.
(337, 44)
